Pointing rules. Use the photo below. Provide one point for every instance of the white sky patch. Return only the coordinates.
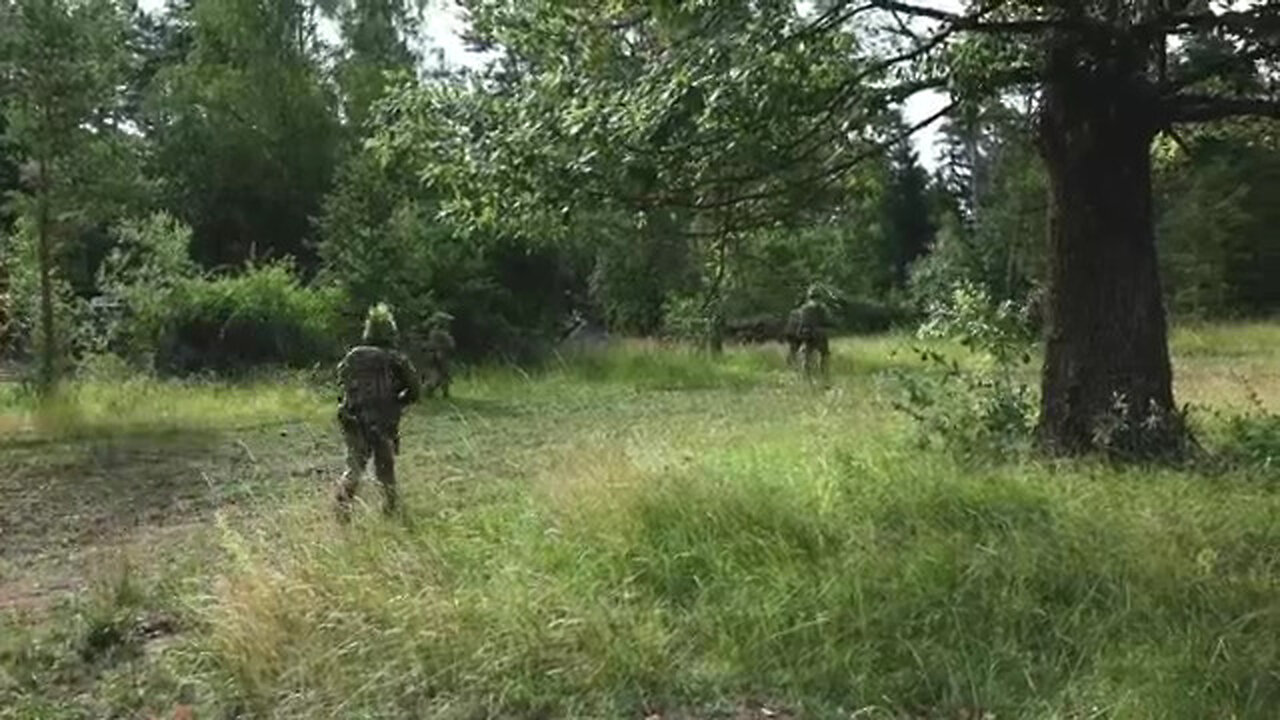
(442, 28)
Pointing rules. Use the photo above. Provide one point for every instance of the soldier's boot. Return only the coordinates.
(346, 492)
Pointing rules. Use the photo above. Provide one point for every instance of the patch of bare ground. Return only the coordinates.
(69, 509)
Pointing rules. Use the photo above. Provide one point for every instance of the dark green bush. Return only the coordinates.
(263, 316)
(381, 240)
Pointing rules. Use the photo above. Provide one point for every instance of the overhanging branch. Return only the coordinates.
(975, 23)
(1265, 18)
(623, 23)
(833, 17)
(1219, 66)
(1206, 108)
(673, 201)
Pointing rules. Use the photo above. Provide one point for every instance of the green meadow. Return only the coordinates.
(640, 531)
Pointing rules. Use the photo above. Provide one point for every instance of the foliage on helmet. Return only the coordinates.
(380, 326)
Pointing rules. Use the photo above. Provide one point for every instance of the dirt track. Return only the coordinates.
(68, 508)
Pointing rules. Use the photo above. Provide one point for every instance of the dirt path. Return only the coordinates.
(72, 510)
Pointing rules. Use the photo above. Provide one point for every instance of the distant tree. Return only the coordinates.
(378, 39)
(63, 63)
(245, 127)
(909, 225)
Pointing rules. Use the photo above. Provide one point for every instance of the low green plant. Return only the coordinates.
(981, 407)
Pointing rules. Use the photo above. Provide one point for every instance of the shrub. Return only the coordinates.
(1253, 439)
(21, 334)
(685, 317)
(382, 240)
(864, 315)
(263, 316)
(984, 408)
(1248, 440)
(137, 282)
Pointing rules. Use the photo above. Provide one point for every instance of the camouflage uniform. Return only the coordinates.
(812, 322)
(439, 347)
(377, 382)
(791, 334)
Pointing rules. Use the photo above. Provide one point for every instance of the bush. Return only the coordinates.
(984, 408)
(381, 240)
(1253, 439)
(685, 317)
(863, 315)
(21, 335)
(137, 283)
(264, 316)
(158, 310)
(984, 257)
(1247, 440)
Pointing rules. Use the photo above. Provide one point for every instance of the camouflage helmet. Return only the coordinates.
(814, 292)
(439, 318)
(380, 326)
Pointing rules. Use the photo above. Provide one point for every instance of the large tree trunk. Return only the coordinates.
(48, 338)
(1106, 381)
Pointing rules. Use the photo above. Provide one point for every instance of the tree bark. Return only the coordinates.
(48, 340)
(1106, 382)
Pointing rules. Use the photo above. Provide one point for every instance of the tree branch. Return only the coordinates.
(1205, 108)
(1212, 70)
(921, 11)
(838, 14)
(669, 200)
(974, 23)
(1264, 18)
(625, 23)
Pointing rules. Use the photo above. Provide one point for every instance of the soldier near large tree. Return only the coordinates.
(736, 111)
(1107, 89)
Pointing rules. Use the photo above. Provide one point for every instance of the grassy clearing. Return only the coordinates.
(647, 532)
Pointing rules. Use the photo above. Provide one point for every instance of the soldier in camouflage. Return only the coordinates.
(439, 347)
(377, 383)
(812, 321)
(791, 334)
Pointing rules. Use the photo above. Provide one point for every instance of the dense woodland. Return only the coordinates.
(230, 183)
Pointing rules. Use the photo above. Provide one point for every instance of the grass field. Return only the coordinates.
(636, 533)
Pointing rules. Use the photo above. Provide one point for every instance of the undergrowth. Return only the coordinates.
(646, 532)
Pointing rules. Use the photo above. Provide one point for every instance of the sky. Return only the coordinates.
(445, 23)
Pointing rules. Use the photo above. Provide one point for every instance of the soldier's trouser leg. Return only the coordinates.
(440, 368)
(793, 347)
(814, 353)
(384, 466)
(358, 453)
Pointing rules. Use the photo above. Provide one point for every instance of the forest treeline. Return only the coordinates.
(228, 183)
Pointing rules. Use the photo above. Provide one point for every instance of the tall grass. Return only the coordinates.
(124, 405)
(643, 530)
(831, 580)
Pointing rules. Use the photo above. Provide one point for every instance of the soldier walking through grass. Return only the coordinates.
(791, 335)
(811, 322)
(377, 383)
(439, 348)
